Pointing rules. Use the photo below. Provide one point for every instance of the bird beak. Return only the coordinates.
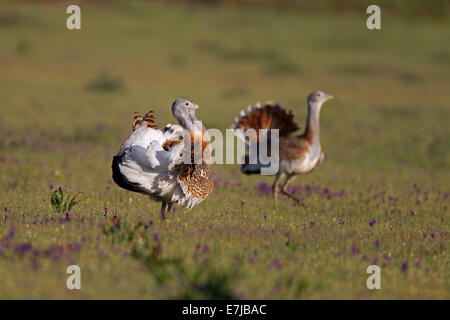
(194, 106)
(330, 96)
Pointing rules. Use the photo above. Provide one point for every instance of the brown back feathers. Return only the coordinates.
(267, 116)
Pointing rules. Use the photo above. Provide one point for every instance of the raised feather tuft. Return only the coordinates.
(150, 118)
(267, 116)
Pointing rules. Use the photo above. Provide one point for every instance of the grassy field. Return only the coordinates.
(381, 196)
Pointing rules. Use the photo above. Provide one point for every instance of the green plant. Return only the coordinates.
(61, 203)
(209, 282)
(151, 257)
(117, 232)
(203, 282)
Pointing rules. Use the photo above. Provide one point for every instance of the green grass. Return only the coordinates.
(67, 99)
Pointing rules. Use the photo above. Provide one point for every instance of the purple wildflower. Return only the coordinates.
(432, 235)
(6, 209)
(376, 243)
(11, 233)
(156, 236)
(275, 263)
(355, 250)
(405, 266)
(36, 253)
(418, 262)
(74, 247)
(106, 211)
(265, 188)
(22, 248)
(51, 186)
(55, 252)
(265, 218)
(372, 222)
(412, 212)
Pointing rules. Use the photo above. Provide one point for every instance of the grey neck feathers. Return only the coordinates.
(187, 120)
(312, 131)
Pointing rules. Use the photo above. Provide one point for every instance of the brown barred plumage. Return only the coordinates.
(137, 120)
(150, 118)
(170, 143)
(195, 177)
(267, 116)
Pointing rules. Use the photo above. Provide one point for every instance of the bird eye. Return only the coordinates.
(187, 103)
(319, 94)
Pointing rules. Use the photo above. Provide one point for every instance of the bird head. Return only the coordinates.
(184, 111)
(319, 97)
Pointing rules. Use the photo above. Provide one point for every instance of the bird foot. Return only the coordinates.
(276, 196)
(297, 200)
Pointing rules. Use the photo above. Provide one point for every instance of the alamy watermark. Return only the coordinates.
(374, 280)
(73, 21)
(374, 20)
(74, 280)
(254, 147)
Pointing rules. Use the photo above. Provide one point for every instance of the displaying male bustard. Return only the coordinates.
(153, 161)
(298, 154)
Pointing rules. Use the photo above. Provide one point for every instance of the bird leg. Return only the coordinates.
(163, 210)
(284, 190)
(276, 187)
(169, 206)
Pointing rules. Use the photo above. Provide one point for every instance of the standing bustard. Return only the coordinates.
(298, 154)
(152, 162)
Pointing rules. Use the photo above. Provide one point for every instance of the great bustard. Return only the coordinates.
(153, 161)
(299, 154)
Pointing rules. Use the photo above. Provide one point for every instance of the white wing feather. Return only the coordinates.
(146, 163)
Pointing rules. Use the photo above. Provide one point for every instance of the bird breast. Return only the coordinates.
(299, 158)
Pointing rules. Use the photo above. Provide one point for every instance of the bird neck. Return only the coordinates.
(187, 121)
(312, 131)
